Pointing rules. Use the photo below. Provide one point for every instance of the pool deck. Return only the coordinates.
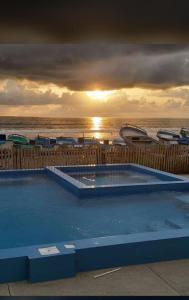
(164, 278)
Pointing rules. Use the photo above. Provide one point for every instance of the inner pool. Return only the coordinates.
(113, 177)
(35, 209)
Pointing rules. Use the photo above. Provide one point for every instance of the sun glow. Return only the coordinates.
(96, 125)
(99, 95)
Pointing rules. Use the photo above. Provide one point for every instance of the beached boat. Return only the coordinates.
(2, 139)
(119, 142)
(18, 139)
(168, 137)
(87, 141)
(45, 141)
(136, 136)
(184, 132)
(65, 141)
(52, 141)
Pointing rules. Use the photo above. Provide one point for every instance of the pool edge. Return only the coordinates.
(26, 263)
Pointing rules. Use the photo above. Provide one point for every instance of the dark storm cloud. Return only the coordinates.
(102, 66)
(84, 20)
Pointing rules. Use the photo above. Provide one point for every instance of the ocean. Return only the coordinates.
(99, 127)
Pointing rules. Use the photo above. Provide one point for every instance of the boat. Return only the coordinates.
(118, 142)
(52, 141)
(2, 139)
(43, 141)
(184, 140)
(65, 141)
(184, 132)
(136, 136)
(87, 141)
(18, 139)
(32, 142)
(168, 137)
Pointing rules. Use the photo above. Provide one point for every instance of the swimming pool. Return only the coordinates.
(86, 181)
(48, 232)
(113, 177)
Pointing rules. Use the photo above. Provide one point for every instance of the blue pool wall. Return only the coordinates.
(81, 190)
(26, 263)
(91, 254)
(22, 172)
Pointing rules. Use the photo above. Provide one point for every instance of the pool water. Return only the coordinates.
(37, 210)
(113, 177)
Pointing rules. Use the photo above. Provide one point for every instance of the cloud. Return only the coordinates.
(21, 98)
(83, 20)
(16, 93)
(104, 66)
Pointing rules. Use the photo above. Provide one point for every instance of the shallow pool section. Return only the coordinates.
(114, 177)
(48, 232)
(108, 179)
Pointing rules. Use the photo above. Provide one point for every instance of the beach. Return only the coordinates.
(98, 127)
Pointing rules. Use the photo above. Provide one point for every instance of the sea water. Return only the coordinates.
(98, 127)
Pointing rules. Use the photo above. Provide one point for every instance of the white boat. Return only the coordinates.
(119, 142)
(168, 137)
(136, 136)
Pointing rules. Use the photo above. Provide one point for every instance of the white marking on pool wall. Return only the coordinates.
(70, 246)
(49, 250)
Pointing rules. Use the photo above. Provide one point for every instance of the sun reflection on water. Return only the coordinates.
(96, 125)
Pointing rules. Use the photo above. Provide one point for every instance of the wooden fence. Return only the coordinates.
(172, 158)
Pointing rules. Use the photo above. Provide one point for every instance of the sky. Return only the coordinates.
(77, 58)
(94, 79)
(75, 21)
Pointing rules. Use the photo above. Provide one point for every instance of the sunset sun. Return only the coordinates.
(99, 95)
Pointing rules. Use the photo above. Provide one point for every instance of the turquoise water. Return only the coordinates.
(115, 177)
(37, 210)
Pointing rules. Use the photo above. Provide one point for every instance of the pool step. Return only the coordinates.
(174, 224)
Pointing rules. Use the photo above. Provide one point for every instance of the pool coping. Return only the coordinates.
(27, 263)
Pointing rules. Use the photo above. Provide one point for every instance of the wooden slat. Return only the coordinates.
(170, 158)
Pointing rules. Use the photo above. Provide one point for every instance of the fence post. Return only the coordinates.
(99, 155)
(17, 159)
